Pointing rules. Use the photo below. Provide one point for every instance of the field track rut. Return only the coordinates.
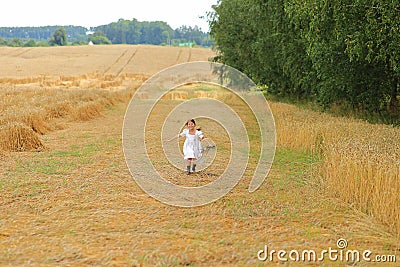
(129, 61)
(121, 62)
(22, 52)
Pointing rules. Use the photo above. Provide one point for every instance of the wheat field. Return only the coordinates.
(360, 161)
(67, 197)
(41, 86)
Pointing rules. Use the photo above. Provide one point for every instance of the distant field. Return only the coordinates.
(41, 85)
(144, 60)
(108, 66)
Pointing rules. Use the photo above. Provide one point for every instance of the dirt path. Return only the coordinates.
(77, 205)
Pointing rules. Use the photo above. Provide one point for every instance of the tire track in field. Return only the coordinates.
(23, 51)
(17, 52)
(179, 55)
(115, 62)
(128, 61)
(190, 55)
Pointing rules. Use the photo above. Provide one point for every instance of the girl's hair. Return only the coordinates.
(194, 122)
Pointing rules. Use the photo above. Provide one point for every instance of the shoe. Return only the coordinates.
(194, 168)
(188, 169)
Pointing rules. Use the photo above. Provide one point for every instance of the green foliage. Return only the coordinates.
(120, 32)
(16, 42)
(99, 38)
(190, 34)
(30, 43)
(43, 33)
(257, 37)
(335, 52)
(152, 32)
(3, 42)
(59, 37)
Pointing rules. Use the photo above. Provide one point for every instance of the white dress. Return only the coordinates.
(192, 148)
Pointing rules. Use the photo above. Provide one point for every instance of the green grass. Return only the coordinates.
(57, 162)
(53, 164)
(36, 165)
(295, 163)
(206, 87)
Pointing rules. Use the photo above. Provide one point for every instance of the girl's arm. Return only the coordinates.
(173, 138)
(202, 137)
(206, 139)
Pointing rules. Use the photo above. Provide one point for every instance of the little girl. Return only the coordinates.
(192, 149)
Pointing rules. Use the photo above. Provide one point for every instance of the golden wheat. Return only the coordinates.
(18, 137)
(27, 113)
(176, 95)
(361, 161)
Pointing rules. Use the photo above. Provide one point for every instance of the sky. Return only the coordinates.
(90, 13)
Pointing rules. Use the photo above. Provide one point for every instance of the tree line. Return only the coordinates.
(74, 33)
(120, 32)
(154, 32)
(336, 53)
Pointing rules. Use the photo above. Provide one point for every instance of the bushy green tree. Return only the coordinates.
(59, 37)
(30, 43)
(99, 38)
(3, 42)
(15, 42)
(259, 38)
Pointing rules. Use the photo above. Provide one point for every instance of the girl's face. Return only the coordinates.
(191, 125)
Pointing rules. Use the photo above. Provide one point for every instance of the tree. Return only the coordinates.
(99, 38)
(59, 37)
(333, 51)
(16, 42)
(151, 32)
(74, 33)
(30, 43)
(354, 50)
(373, 40)
(259, 38)
(3, 42)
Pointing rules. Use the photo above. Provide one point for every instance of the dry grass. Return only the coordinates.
(36, 111)
(19, 137)
(361, 162)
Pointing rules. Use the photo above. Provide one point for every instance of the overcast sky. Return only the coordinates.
(90, 13)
